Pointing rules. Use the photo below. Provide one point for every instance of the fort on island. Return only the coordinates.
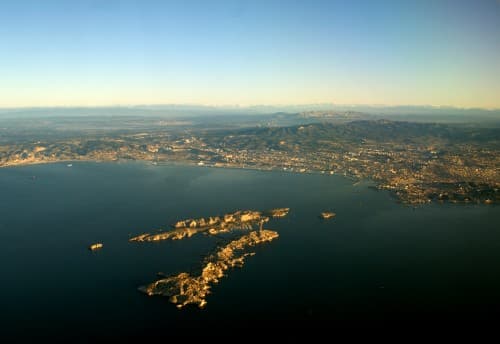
(193, 287)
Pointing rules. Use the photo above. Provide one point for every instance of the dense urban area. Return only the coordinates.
(418, 162)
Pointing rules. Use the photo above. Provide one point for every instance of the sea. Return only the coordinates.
(377, 263)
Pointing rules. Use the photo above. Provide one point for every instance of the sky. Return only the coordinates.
(102, 53)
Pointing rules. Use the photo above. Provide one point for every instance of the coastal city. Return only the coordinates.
(417, 162)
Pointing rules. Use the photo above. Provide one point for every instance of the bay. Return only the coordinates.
(378, 261)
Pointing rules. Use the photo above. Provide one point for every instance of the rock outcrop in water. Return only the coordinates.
(175, 234)
(327, 215)
(242, 219)
(96, 246)
(184, 288)
(278, 212)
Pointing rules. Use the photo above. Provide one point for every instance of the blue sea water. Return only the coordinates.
(376, 261)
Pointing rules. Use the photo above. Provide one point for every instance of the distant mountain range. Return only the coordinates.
(410, 113)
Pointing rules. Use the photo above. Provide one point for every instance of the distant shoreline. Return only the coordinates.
(355, 180)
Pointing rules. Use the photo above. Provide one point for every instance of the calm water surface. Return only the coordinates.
(377, 260)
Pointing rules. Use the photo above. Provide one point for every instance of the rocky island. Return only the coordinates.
(327, 215)
(278, 212)
(193, 287)
(186, 288)
(241, 219)
(95, 247)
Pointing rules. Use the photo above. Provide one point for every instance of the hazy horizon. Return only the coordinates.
(94, 54)
(312, 106)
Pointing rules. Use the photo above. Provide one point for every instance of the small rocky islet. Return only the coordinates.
(96, 246)
(327, 215)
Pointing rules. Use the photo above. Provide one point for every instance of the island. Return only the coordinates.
(95, 247)
(193, 287)
(278, 212)
(186, 288)
(327, 215)
(241, 219)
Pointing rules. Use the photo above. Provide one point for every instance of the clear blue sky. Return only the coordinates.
(249, 52)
